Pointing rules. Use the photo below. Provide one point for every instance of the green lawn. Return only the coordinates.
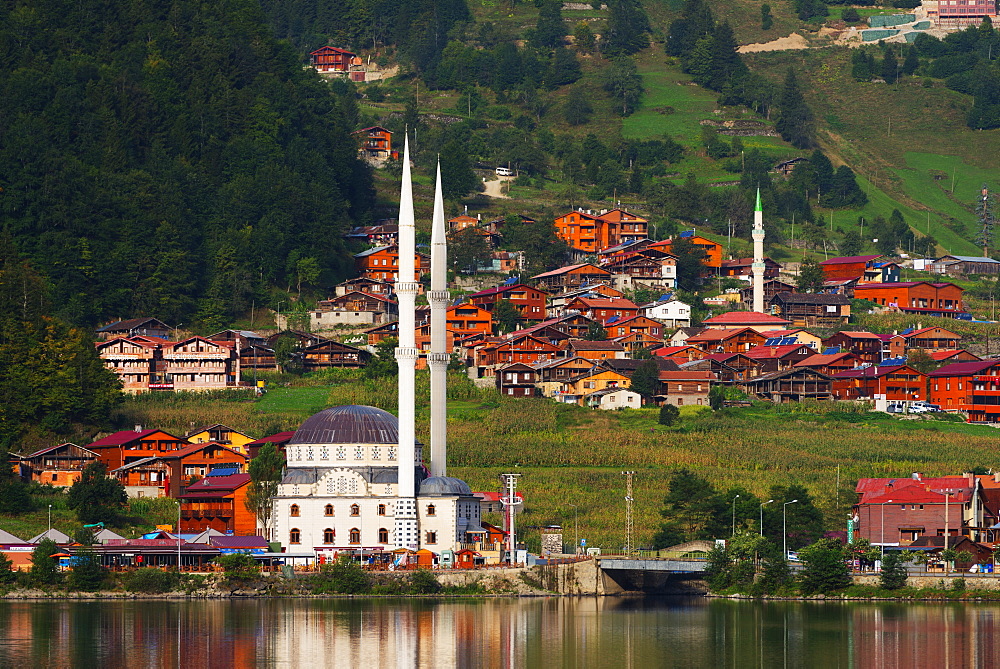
(283, 400)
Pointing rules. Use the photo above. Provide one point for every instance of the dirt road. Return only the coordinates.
(494, 187)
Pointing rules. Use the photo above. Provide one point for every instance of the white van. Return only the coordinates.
(505, 172)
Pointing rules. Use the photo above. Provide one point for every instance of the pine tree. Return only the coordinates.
(563, 69)
(766, 20)
(577, 109)
(457, 177)
(810, 276)
(911, 62)
(623, 82)
(550, 29)
(626, 29)
(725, 61)
(890, 67)
(795, 120)
(95, 497)
(646, 379)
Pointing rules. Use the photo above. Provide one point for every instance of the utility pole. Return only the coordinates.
(628, 511)
(510, 502)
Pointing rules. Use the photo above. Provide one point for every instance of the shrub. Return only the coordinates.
(150, 580)
(424, 582)
(345, 576)
(893, 574)
(958, 584)
(669, 414)
(44, 567)
(824, 567)
(88, 574)
(238, 566)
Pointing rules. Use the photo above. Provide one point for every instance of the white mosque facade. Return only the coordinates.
(355, 476)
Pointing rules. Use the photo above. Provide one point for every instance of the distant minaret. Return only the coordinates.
(438, 358)
(406, 531)
(758, 257)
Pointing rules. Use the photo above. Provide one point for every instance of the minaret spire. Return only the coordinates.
(406, 530)
(438, 357)
(758, 266)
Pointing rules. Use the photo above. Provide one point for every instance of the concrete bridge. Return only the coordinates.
(653, 575)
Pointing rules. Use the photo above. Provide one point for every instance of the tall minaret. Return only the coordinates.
(758, 257)
(438, 357)
(406, 531)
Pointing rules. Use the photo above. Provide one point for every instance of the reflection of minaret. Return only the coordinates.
(437, 359)
(758, 257)
(406, 357)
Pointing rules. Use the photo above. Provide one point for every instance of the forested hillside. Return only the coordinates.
(170, 158)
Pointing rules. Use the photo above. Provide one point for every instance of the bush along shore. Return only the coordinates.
(752, 567)
(241, 578)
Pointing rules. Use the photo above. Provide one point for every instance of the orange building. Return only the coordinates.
(376, 142)
(972, 387)
(527, 349)
(571, 276)
(894, 382)
(189, 465)
(529, 301)
(122, 448)
(604, 310)
(848, 267)
(382, 263)
(57, 466)
(916, 297)
(928, 339)
(713, 250)
(636, 324)
(588, 233)
(467, 319)
(727, 341)
(218, 503)
(333, 59)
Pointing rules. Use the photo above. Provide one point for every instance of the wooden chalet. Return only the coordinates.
(812, 310)
(729, 368)
(889, 382)
(574, 326)
(795, 336)
(786, 167)
(830, 363)
(727, 341)
(128, 446)
(218, 503)
(713, 250)
(771, 288)
(737, 320)
(571, 276)
(239, 338)
(147, 477)
(329, 354)
(375, 143)
(790, 385)
(839, 287)
(133, 360)
(574, 389)
(684, 353)
(914, 297)
(523, 348)
(280, 440)
(199, 364)
(742, 268)
(865, 345)
(380, 234)
(949, 356)
(587, 233)
(604, 310)
(463, 221)
(685, 387)
(953, 265)
(331, 59)
(530, 302)
(382, 263)
(303, 339)
(145, 327)
(928, 339)
(850, 267)
(188, 465)
(593, 350)
(220, 434)
(380, 333)
(637, 324)
(559, 370)
(57, 466)
(638, 341)
(641, 270)
(364, 285)
(517, 380)
(777, 358)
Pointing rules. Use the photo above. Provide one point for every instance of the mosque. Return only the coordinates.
(355, 476)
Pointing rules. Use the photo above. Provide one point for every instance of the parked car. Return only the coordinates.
(505, 172)
(924, 407)
(894, 408)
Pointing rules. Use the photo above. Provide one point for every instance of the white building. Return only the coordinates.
(672, 313)
(340, 488)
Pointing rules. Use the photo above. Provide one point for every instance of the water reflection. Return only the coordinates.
(497, 633)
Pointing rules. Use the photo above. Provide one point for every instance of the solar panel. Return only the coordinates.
(831, 350)
(613, 319)
(787, 341)
(665, 297)
(773, 341)
(512, 280)
(224, 471)
(907, 331)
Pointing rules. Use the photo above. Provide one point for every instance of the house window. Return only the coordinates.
(355, 536)
(431, 538)
(355, 510)
(680, 401)
(381, 509)
(328, 510)
(294, 536)
(329, 536)
(383, 535)
(431, 509)
(293, 510)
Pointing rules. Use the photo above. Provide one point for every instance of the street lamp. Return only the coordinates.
(734, 514)
(784, 525)
(762, 516)
(576, 528)
(50, 517)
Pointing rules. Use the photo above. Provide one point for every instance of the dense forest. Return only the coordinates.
(170, 158)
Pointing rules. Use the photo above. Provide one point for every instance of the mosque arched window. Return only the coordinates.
(328, 510)
(383, 535)
(329, 536)
(294, 536)
(293, 510)
(381, 509)
(355, 510)
(355, 536)
(431, 510)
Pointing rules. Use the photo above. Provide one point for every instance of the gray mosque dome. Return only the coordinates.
(444, 485)
(349, 424)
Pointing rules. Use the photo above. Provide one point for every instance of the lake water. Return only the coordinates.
(550, 632)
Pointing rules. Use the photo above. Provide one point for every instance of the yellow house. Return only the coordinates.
(592, 382)
(801, 337)
(220, 434)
